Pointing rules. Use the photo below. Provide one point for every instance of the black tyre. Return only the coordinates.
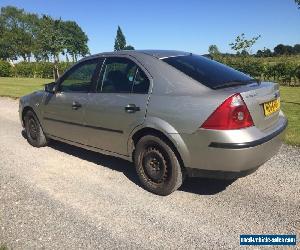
(157, 166)
(34, 132)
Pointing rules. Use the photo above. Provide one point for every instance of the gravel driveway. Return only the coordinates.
(63, 197)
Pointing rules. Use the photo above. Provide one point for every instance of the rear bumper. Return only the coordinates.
(251, 143)
(215, 174)
(231, 154)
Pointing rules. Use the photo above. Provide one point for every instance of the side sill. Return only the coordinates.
(98, 150)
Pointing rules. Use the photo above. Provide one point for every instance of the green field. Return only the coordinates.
(16, 87)
(290, 104)
(290, 100)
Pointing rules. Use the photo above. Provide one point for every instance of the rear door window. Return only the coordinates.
(122, 75)
(117, 76)
(208, 72)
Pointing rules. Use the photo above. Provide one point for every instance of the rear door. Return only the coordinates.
(118, 104)
(63, 112)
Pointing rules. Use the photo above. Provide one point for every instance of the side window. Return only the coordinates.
(117, 76)
(141, 83)
(80, 78)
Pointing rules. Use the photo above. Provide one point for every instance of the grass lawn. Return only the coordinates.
(290, 101)
(290, 104)
(16, 87)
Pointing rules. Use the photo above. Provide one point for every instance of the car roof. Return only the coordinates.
(160, 54)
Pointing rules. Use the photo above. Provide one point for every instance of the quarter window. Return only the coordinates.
(141, 83)
(80, 78)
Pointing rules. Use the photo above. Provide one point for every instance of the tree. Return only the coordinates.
(120, 41)
(11, 33)
(297, 48)
(282, 49)
(25, 34)
(213, 50)
(298, 3)
(75, 40)
(289, 50)
(242, 45)
(264, 53)
(129, 47)
(51, 41)
(244, 53)
(18, 33)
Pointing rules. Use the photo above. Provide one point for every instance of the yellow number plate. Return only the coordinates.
(271, 107)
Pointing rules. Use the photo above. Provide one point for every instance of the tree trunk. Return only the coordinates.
(55, 67)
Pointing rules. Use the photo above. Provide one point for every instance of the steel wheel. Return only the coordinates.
(34, 131)
(155, 165)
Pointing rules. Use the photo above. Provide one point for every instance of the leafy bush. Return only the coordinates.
(5, 69)
(63, 66)
(23, 69)
(38, 69)
(283, 70)
(270, 72)
(297, 72)
(43, 70)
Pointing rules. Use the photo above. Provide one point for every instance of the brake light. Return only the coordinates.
(231, 114)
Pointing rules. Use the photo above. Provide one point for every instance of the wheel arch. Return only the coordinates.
(29, 108)
(174, 142)
(25, 110)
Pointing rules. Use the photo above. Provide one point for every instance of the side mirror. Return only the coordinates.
(50, 87)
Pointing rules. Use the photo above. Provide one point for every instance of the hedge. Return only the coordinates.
(5, 68)
(283, 71)
(31, 69)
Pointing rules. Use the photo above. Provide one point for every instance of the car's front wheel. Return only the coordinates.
(157, 165)
(34, 132)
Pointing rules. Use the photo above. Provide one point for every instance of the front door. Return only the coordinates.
(118, 105)
(63, 112)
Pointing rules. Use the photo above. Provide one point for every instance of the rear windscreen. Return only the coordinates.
(208, 72)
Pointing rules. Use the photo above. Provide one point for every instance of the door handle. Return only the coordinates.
(132, 108)
(76, 105)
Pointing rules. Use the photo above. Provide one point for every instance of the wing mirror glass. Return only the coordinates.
(50, 87)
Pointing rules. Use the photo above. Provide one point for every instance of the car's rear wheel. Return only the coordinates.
(34, 132)
(157, 165)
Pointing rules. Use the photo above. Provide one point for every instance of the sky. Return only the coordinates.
(188, 25)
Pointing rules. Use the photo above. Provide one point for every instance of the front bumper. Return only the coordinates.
(231, 154)
(20, 111)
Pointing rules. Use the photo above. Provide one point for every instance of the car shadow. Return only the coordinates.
(114, 163)
(201, 186)
(205, 186)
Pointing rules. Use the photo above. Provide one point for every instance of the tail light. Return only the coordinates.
(231, 114)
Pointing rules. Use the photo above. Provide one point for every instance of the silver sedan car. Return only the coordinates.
(174, 114)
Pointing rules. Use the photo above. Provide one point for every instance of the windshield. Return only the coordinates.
(208, 72)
